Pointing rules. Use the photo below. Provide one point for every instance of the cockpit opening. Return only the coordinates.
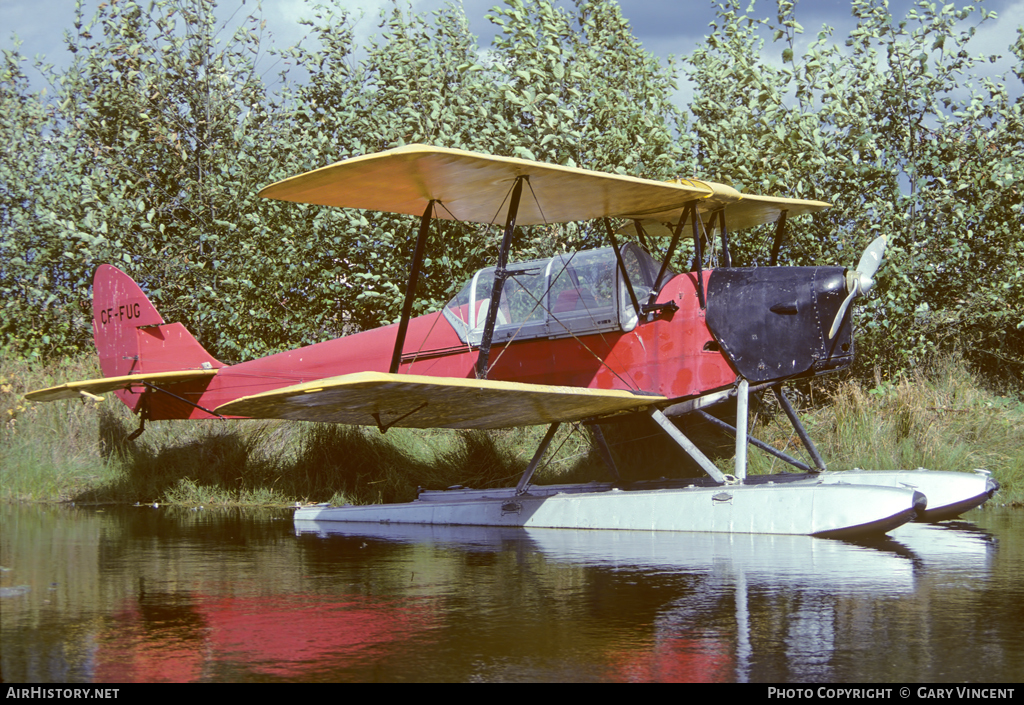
(566, 295)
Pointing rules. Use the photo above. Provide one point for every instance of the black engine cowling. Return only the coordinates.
(773, 322)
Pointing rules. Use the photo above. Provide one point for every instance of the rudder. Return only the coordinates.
(119, 309)
(131, 336)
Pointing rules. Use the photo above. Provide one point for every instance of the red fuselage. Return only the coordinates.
(674, 355)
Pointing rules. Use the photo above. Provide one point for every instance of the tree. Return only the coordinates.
(44, 307)
(424, 81)
(888, 131)
(149, 150)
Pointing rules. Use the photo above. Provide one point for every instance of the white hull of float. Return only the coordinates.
(949, 494)
(809, 507)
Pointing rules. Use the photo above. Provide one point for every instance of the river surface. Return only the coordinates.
(142, 594)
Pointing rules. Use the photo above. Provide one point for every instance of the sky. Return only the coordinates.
(665, 27)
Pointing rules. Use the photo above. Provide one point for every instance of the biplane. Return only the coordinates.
(582, 337)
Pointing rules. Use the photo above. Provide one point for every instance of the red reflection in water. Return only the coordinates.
(173, 639)
(673, 660)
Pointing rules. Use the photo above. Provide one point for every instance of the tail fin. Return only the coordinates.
(131, 336)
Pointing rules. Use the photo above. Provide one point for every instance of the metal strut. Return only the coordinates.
(780, 232)
(606, 454)
(524, 481)
(687, 445)
(144, 408)
(383, 427)
(687, 210)
(698, 257)
(726, 256)
(755, 442)
(155, 388)
(622, 266)
(500, 274)
(799, 428)
(742, 399)
(410, 291)
(641, 235)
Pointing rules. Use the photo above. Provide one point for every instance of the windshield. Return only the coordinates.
(564, 295)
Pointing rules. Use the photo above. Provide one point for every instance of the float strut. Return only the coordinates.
(742, 397)
(754, 441)
(524, 481)
(687, 445)
(799, 428)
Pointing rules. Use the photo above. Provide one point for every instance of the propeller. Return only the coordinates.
(862, 280)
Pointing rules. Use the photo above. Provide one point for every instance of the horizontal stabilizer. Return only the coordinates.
(91, 387)
(416, 401)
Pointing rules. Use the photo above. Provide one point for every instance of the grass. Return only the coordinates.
(941, 419)
(75, 451)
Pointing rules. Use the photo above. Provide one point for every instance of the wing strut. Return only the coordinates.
(500, 274)
(726, 257)
(622, 266)
(410, 291)
(698, 257)
(641, 235)
(780, 232)
(671, 251)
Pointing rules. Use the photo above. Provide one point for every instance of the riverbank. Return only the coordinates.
(942, 419)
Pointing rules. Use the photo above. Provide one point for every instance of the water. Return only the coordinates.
(144, 594)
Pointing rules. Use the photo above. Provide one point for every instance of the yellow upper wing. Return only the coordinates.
(741, 210)
(74, 390)
(473, 187)
(416, 401)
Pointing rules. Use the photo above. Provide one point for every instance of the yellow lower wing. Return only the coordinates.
(415, 401)
(92, 387)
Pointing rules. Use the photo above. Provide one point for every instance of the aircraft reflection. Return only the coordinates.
(174, 637)
(811, 586)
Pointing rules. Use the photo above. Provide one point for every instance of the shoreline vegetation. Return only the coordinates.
(942, 418)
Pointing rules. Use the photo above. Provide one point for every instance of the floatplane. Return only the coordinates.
(581, 337)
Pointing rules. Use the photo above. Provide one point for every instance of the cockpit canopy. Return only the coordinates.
(566, 295)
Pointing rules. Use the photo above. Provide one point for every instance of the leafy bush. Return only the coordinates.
(148, 150)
